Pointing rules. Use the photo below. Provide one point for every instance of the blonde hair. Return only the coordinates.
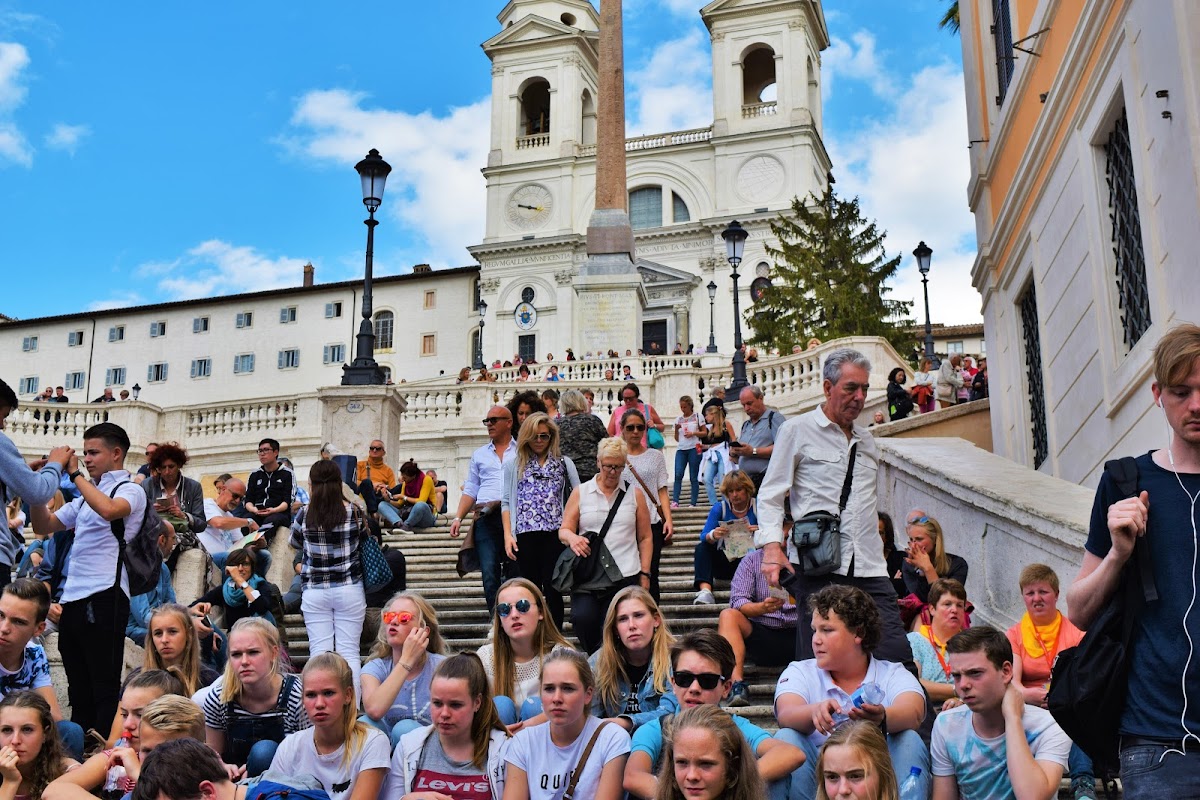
(187, 668)
(742, 781)
(231, 684)
(868, 741)
(1175, 354)
(354, 733)
(529, 429)
(175, 715)
(941, 562)
(612, 659)
(612, 447)
(467, 667)
(737, 479)
(427, 616)
(546, 637)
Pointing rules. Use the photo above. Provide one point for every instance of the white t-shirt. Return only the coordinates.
(981, 765)
(548, 767)
(813, 684)
(297, 754)
(215, 540)
(689, 428)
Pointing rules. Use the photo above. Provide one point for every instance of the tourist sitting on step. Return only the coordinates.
(31, 754)
(241, 594)
(522, 405)
(375, 480)
(646, 469)
(854, 762)
(178, 499)
(633, 666)
(715, 463)
(175, 770)
(531, 507)
(579, 431)
(227, 531)
(251, 708)
(711, 559)
(844, 681)
(523, 637)
(463, 750)
(397, 676)
(170, 718)
(701, 662)
(760, 623)
(349, 758)
(141, 606)
(708, 757)
(413, 498)
(269, 491)
(948, 615)
(544, 760)
(927, 559)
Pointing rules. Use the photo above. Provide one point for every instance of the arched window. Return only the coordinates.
(535, 107)
(384, 326)
(588, 119)
(387, 373)
(814, 90)
(646, 208)
(679, 209)
(758, 75)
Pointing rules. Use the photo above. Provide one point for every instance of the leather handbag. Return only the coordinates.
(377, 574)
(817, 536)
(569, 794)
(595, 572)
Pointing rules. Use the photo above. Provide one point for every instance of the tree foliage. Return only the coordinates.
(828, 279)
(950, 18)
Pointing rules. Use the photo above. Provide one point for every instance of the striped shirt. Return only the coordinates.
(329, 558)
(209, 699)
(749, 586)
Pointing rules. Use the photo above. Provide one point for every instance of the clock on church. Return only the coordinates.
(529, 206)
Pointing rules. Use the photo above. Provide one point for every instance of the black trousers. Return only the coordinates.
(657, 538)
(893, 645)
(91, 640)
(587, 614)
(537, 553)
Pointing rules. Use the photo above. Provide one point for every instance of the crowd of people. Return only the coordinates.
(885, 678)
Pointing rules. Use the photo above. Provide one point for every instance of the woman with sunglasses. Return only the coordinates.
(715, 437)
(396, 680)
(927, 559)
(633, 666)
(523, 635)
(543, 760)
(630, 395)
(606, 498)
(531, 508)
(646, 468)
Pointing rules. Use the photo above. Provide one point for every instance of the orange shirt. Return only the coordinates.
(1036, 671)
(379, 473)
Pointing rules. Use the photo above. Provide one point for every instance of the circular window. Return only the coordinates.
(763, 270)
(527, 294)
(568, 19)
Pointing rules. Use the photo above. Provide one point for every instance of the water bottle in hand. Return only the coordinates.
(911, 788)
(869, 693)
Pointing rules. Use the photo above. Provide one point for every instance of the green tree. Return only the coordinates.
(829, 279)
(950, 18)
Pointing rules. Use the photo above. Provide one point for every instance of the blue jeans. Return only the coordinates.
(1079, 765)
(71, 736)
(389, 513)
(906, 748)
(262, 561)
(1149, 771)
(506, 709)
(394, 732)
(687, 458)
(489, 545)
(419, 516)
(261, 754)
(712, 479)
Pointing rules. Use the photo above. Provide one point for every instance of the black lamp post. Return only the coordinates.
(364, 371)
(712, 296)
(137, 389)
(735, 244)
(923, 255)
(481, 307)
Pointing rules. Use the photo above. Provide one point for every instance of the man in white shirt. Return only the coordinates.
(994, 745)
(95, 606)
(226, 531)
(810, 460)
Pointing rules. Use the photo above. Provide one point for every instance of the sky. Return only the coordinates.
(163, 151)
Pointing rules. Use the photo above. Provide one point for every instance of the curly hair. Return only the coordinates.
(855, 608)
(531, 399)
(169, 451)
(48, 763)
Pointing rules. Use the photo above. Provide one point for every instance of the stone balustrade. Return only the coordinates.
(536, 140)
(655, 141)
(751, 110)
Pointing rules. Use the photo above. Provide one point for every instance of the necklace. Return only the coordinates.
(741, 512)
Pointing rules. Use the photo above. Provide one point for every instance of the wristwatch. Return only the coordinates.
(753, 451)
(76, 474)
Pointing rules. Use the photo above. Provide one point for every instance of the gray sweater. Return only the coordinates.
(18, 480)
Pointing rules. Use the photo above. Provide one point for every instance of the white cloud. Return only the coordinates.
(857, 60)
(215, 268)
(672, 91)
(125, 300)
(67, 137)
(435, 188)
(14, 58)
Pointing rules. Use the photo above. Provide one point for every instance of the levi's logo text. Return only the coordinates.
(460, 787)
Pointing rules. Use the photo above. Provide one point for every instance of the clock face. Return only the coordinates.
(526, 316)
(529, 207)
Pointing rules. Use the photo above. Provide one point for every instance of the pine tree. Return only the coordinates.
(828, 279)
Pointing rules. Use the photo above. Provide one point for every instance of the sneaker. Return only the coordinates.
(739, 696)
(674, 504)
(704, 597)
(1084, 787)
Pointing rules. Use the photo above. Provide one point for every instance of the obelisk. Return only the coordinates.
(608, 289)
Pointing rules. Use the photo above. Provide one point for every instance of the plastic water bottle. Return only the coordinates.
(911, 788)
(868, 692)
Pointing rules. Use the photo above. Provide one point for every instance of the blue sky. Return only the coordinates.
(157, 151)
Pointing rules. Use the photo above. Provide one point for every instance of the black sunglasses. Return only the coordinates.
(493, 420)
(504, 609)
(635, 427)
(708, 680)
(237, 496)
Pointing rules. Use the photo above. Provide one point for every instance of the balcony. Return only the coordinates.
(752, 110)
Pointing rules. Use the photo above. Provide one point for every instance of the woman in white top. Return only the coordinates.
(646, 469)
(628, 540)
(523, 635)
(543, 761)
(688, 427)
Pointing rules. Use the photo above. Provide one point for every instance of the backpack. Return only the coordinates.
(140, 557)
(1089, 682)
(269, 789)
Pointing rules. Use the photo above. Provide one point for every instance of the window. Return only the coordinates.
(243, 363)
(333, 309)
(289, 359)
(74, 338)
(200, 325)
(645, 208)
(158, 328)
(1033, 372)
(527, 347)
(28, 385)
(116, 333)
(73, 381)
(983, 347)
(157, 373)
(334, 354)
(201, 367)
(114, 376)
(758, 74)
(535, 107)
(679, 209)
(954, 347)
(384, 324)
(430, 298)
(429, 344)
(387, 373)
(1133, 296)
(1003, 42)
(287, 314)
(245, 319)
(29, 344)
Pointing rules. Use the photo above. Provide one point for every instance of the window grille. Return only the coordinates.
(645, 208)
(384, 324)
(1033, 372)
(1003, 40)
(527, 347)
(1133, 297)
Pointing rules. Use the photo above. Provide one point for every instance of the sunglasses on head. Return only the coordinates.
(635, 428)
(708, 680)
(918, 520)
(522, 605)
(398, 617)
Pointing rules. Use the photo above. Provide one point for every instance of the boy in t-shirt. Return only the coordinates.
(24, 604)
(994, 745)
(701, 665)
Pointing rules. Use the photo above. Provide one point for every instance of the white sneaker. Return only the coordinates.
(704, 597)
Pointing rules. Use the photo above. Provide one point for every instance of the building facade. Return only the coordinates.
(1084, 121)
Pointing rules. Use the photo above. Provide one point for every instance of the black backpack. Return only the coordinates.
(1089, 682)
(140, 557)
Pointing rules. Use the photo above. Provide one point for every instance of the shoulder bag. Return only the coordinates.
(650, 496)
(817, 535)
(377, 574)
(569, 794)
(595, 572)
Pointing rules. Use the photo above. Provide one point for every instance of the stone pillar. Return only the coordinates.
(351, 416)
(683, 332)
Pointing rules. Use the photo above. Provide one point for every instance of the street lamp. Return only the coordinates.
(735, 244)
(364, 371)
(137, 389)
(712, 296)
(481, 307)
(923, 254)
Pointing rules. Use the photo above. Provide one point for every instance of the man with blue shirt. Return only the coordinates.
(34, 483)
(482, 492)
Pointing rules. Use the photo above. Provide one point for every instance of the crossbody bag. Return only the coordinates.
(817, 535)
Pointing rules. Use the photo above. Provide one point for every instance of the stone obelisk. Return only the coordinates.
(608, 289)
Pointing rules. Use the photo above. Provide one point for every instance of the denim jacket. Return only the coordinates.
(141, 606)
(653, 704)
